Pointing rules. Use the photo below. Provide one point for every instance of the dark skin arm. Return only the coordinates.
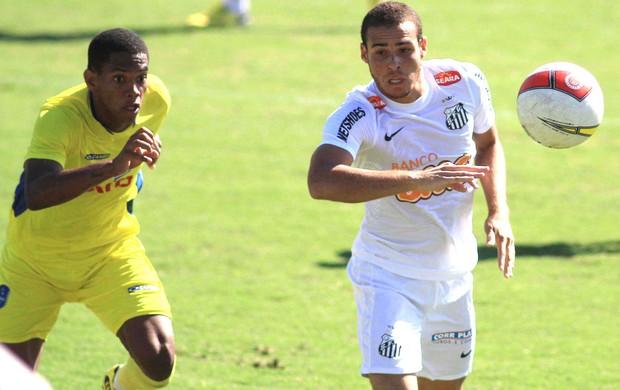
(47, 184)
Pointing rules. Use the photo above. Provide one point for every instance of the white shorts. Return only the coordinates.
(409, 326)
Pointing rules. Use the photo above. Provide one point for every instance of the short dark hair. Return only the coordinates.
(113, 41)
(390, 14)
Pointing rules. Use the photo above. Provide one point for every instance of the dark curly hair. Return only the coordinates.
(113, 41)
(390, 14)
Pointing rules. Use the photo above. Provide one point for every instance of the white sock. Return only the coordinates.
(117, 386)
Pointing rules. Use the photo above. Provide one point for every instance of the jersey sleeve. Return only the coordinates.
(157, 102)
(484, 117)
(349, 126)
(52, 134)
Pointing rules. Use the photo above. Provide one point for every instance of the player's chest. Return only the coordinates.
(89, 149)
(414, 141)
(443, 131)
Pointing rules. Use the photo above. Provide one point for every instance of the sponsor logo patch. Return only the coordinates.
(97, 156)
(415, 196)
(447, 78)
(376, 102)
(460, 337)
(118, 183)
(347, 123)
(143, 287)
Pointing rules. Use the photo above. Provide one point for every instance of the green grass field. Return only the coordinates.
(253, 267)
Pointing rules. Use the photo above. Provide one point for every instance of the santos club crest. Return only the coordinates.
(388, 347)
(456, 117)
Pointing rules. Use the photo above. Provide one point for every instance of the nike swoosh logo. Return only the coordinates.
(464, 355)
(388, 138)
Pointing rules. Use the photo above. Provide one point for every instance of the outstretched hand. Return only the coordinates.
(499, 234)
(457, 177)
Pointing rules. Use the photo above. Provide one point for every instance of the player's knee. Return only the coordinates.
(150, 342)
(163, 371)
(158, 364)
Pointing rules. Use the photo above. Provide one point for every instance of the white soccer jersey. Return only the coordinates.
(417, 234)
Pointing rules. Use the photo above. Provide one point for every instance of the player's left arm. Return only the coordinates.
(497, 225)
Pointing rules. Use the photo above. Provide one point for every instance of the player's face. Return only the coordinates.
(118, 90)
(394, 57)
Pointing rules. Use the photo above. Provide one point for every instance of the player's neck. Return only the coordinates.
(110, 127)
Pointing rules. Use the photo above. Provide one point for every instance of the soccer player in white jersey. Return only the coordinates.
(414, 145)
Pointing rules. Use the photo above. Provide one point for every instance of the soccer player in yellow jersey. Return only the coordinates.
(72, 236)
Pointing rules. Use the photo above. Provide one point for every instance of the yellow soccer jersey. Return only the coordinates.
(67, 132)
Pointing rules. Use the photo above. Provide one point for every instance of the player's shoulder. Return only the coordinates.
(155, 83)
(366, 96)
(353, 115)
(157, 95)
(361, 104)
(157, 86)
(74, 96)
(70, 104)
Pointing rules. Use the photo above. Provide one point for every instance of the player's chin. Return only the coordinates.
(397, 92)
(129, 113)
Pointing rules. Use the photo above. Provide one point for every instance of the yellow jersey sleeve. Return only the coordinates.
(55, 130)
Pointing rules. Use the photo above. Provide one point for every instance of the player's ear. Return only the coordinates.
(364, 52)
(90, 78)
(423, 43)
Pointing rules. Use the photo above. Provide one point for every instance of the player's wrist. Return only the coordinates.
(499, 212)
(110, 169)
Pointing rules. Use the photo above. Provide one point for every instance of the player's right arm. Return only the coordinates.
(48, 184)
(332, 177)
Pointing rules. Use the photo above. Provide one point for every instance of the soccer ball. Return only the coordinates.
(560, 105)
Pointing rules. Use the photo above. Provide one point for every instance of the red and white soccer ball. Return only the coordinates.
(560, 105)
